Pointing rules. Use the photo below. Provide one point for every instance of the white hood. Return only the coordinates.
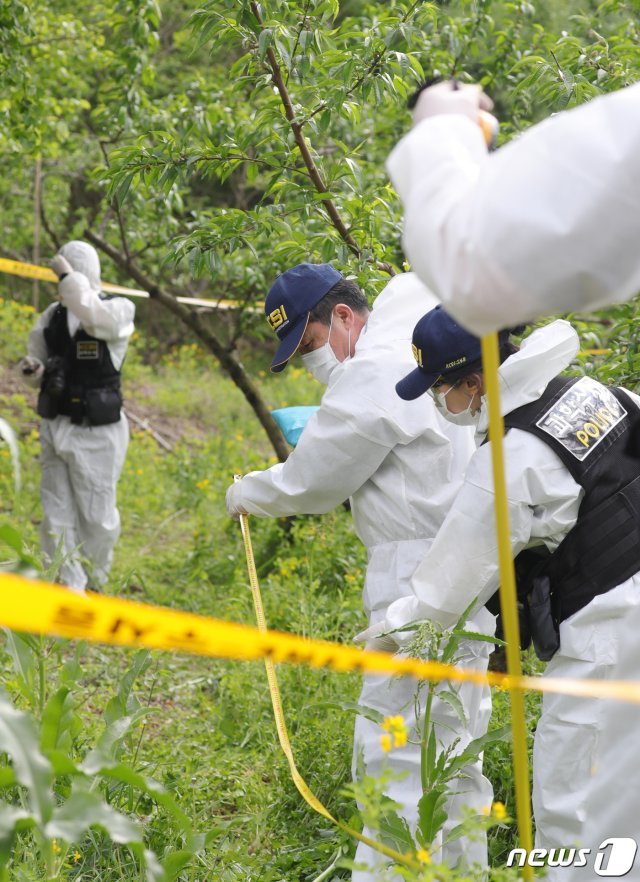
(83, 259)
(396, 311)
(526, 374)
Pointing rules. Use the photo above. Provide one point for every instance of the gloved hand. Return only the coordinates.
(61, 266)
(374, 637)
(31, 368)
(466, 99)
(234, 508)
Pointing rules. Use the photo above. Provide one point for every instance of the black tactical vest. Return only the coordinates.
(80, 380)
(595, 430)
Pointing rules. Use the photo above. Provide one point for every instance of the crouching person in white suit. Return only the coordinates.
(572, 462)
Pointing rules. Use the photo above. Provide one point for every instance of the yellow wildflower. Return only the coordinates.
(203, 484)
(499, 811)
(56, 848)
(76, 856)
(400, 737)
(397, 730)
(385, 743)
(423, 856)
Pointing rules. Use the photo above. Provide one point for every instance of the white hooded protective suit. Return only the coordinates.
(81, 464)
(549, 223)
(401, 464)
(543, 503)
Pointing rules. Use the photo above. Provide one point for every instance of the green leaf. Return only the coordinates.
(85, 808)
(105, 752)
(431, 815)
(393, 829)
(451, 698)
(264, 41)
(10, 536)
(473, 750)
(7, 777)
(18, 738)
(58, 719)
(175, 863)
(20, 648)
(12, 821)
(126, 775)
(125, 702)
(362, 710)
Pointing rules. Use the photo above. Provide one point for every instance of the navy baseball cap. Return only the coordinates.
(289, 302)
(440, 346)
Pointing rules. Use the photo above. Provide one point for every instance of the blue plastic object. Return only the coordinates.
(292, 421)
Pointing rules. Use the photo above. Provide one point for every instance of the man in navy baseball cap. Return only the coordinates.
(400, 464)
(444, 351)
(289, 303)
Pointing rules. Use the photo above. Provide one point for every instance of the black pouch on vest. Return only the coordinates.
(48, 405)
(102, 406)
(74, 406)
(545, 633)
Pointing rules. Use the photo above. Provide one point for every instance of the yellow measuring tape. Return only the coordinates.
(508, 597)
(45, 274)
(283, 735)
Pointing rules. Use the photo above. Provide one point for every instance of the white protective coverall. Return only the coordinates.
(81, 464)
(401, 466)
(548, 223)
(613, 801)
(543, 503)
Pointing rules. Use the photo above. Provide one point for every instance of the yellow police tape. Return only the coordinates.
(281, 727)
(45, 274)
(42, 608)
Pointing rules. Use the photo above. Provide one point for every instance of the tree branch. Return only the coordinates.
(228, 360)
(303, 147)
(116, 207)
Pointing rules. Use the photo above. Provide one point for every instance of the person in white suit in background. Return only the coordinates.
(75, 355)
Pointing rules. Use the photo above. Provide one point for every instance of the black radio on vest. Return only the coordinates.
(80, 380)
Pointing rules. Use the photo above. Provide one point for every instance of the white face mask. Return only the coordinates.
(322, 361)
(464, 418)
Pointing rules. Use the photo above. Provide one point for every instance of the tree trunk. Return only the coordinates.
(228, 361)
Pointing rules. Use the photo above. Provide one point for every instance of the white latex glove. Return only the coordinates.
(234, 509)
(467, 99)
(31, 368)
(61, 266)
